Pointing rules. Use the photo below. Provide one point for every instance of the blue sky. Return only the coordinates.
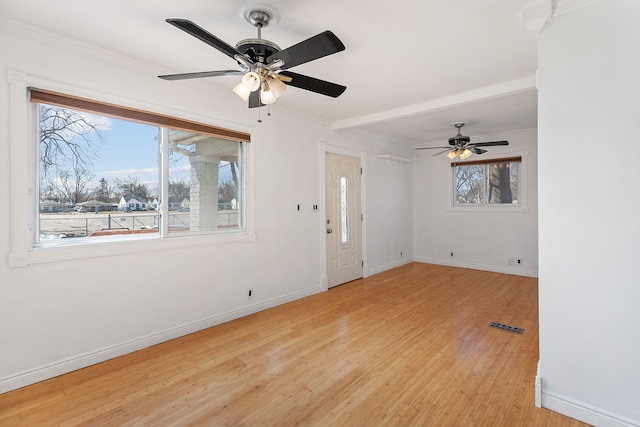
(130, 149)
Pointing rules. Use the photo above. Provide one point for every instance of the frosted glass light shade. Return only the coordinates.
(251, 81)
(466, 153)
(452, 154)
(267, 97)
(242, 91)
(277, 87)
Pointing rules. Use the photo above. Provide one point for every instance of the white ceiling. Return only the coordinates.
(411, 67)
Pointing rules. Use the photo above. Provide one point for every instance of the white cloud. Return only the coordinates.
(87, 124)
(123, 173)
(179, 170)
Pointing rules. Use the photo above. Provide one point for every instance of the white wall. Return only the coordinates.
(480, 238)
(390, 226)
(589, 233)
(61, 315)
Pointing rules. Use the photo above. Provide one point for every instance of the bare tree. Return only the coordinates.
(500, 183)
(68, 147)
(179, 190)
(132, 187)
(234, 174)
(68, 135)
(469, 188)
(105, 191)
(227, 191)
(73, 183)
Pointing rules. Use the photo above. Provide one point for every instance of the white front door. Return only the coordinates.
(344, 219)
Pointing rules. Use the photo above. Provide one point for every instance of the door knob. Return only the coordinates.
(329, 231)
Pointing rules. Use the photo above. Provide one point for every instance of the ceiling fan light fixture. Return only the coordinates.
(242, 91)
(267, 97)
(452, 154)
(465, 153)
(277, 87)
(251, 81)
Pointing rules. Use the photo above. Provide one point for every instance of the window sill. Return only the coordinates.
(501, 209)
(83, 250)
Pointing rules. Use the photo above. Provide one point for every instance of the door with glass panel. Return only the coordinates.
(344, 219)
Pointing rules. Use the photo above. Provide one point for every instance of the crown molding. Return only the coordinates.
(536, 14)
(562, 6)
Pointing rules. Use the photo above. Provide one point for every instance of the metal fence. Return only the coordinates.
(65, 225)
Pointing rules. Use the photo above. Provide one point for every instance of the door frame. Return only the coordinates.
(324, 149)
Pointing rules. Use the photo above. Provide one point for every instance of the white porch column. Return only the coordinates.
(204, 192)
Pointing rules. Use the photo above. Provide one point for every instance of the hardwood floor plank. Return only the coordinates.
(410, 346)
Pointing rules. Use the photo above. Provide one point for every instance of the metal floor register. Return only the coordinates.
(507, 328)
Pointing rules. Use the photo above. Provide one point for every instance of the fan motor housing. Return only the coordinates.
(459, 140)
(257, 49)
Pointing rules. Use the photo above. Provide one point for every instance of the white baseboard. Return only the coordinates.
(538, 387)
(380, 269)
(61, 367)
(585, 412)
(516, 271)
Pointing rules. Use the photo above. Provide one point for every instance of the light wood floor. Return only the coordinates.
(407, 347)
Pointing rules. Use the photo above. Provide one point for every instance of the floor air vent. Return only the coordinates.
(507, 328)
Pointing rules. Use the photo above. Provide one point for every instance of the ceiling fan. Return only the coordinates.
(462, 145)
(263, 63)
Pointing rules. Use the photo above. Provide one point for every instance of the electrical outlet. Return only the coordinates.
(510, 261)
(250, 294)
(400, 253)
(451, 253)
(519, 261)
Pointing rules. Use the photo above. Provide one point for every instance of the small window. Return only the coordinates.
(109, 171)
(344, 214)
(486, 183)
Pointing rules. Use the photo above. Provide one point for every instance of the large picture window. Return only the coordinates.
(106, 172)
(492, 182)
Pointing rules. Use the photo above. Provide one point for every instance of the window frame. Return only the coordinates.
(520, 207)
(24, 195)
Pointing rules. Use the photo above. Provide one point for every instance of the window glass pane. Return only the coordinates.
(204, 183)
(469, 187)
(98, 175)
(344, 222)
(502, 183)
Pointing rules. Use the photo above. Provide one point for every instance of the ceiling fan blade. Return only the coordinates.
(314, 85)
(441, 152)
(488, 144)
(201, 74)
(202, 34)
(316, 47)
(431, 148)
(477, 150)
(254, 99)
